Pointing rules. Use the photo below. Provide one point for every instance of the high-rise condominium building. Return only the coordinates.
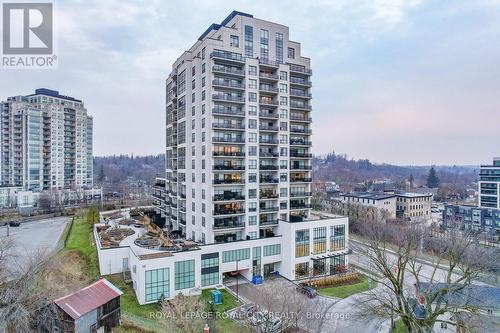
(46, 142)
(489, 185)
(238, 132)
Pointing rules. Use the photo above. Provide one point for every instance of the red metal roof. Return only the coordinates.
(88, 298)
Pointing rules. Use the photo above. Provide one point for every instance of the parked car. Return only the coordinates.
(307, 290)
(14, 223)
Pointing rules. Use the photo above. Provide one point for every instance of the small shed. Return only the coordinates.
(95, 308)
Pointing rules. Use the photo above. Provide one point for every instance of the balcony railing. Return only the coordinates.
(301, 81)
(268, 115)
(228, 225)
(231, 112)
(300, 194)
(268, 76)
(295, 105)
(268, 128)
(228, 181)
(300, 167)
(268, 141)
(229, 125)
(268, 154)
(268, 88)
(299, 142)
(227, 55)
(300, 206)
(300, 130)
(268, 195)
(228, 98)
(268, 101)
(268, 223)
(300, 180)
(228, 196)
(229, 84)
(229, 153)
(269, 62)
(300, 94)
(266, 180)
(230, 140)
(299, 69)
(229, 211)
(230, 70)
(229, 167)
(304, 155)
(269, 209)
(268, 167)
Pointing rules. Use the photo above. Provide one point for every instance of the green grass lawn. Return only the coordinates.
(128, 301)
(400, 327)
(223, 323)
(80, 241)
(346, 290)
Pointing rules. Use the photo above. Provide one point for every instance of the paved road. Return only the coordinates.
(35, 236)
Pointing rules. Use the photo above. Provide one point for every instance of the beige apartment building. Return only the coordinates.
(415, 206)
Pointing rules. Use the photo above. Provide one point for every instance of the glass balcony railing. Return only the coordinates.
(227, 55)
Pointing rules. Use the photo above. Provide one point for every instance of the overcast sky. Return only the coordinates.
(405, 82)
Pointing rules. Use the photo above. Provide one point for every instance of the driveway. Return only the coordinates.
(34, 237)
(321, 314)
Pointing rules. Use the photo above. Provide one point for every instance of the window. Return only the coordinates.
(157, 284)
(203, 82)
(283, 113)
(252, 193)
(252, 151)
(252, 164)
(193, 84)
(283, 139)
(252, 123)
(337, 237)
(264, 44)
(248, 41)
(301, 270)
(234, 41)
(319, 240)
(252, 234)
(283, 192)
(252, 220)
(283, 164)
(272, 250)
(283, 75)
(203, 68)
(252, 178)
(301, 243)
(279, 47)
(291, 53)
(283, 177)
(252, 97)
(203, 53)
(283, 88)
(252, 70)
(184, 274)
(193, 71)
(283, 100)
(252, 110)
(252, 206)
(234, 255)
(209, 269)
(252, 83)
(252, 137)
(283, 126)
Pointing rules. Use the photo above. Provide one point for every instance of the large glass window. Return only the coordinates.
(279, 47)
(272, 250)
(157, 284)
(184, 274)
(248, 41)
(319, 240)
(234, 255)
(302, 243)
(209, 269)
(337, 237)
(264, 44)
(301, 270)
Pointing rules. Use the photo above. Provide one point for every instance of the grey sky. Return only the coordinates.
(406, 82)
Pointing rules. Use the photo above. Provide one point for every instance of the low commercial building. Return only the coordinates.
(415, 206)
(380, 201)
(159, 266)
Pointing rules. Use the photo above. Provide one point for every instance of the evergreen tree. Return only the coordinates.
(432, 179)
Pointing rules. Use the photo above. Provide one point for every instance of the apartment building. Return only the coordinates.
(486, 216)
(45, 143)
(415, 206)
(238, 132)
(380, 201)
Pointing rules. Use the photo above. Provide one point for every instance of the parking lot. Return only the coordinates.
(35, 236)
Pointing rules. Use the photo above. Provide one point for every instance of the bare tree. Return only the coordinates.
(185, 311)
(394, 250)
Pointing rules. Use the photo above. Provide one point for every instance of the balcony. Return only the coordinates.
(299, 69)
(228, 84)
(268, 167)
(267, 223)
(228, 140)
(268, 209)
(228, 196)
(229, 211)
(268, 154)
(239, 126)
(229, 167)
(228, 154)
(228, 181)
(300, 130)
(268, 195)
(268, 180)
(268, 101)
(268, 141)
(300, 155)
(229, 112)
(268, 128)
(267, 88)
(227, 224)
(300, 180)
(300, 206)
(301, 94)
(299, 106)
(269, 63)
(300, 194)
(228, 70)
(269, 76)
(263, 114)
(228, 98)
(297, 142)
(233, 57)
(300, 167)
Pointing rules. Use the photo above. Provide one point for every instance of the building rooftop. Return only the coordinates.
(53, 93)
(89, 298)
(412, 194)
(369, 195)
(215, 26)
